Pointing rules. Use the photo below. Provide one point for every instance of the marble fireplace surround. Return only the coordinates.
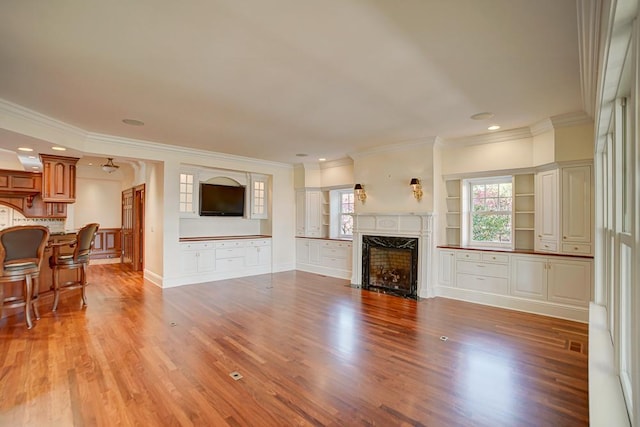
(416, 225)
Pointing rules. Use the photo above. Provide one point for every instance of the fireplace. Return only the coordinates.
(392, 253)
(390, 265)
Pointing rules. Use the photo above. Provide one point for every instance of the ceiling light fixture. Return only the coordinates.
(59, 148)
(322, 159)
(301, 155)
(25, 149)
(493, 127)
(482, 116)
(109, 167)
(133, 122)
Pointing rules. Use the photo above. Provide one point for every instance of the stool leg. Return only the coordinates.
(34, 298)
(27, 300)
(1, 299)
(83, 281)
(56, 288)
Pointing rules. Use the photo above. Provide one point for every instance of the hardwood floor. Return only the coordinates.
(310, 349)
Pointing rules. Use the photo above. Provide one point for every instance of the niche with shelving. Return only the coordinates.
(524, 211)
(454, 203)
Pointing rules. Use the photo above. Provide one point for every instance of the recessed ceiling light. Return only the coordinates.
(482, 116)
(322, 159)
(32, 157)
(493, 127)
(59, 148)
(301, 155)
(35, 167)
(25, 149)
(90, 164)
(133, 122)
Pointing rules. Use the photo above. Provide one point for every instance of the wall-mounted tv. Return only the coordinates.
(221, 200)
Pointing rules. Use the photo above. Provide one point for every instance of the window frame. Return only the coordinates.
(341, 213)
(467, 202)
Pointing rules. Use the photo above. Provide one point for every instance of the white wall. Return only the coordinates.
(386, 173)
(486, 157)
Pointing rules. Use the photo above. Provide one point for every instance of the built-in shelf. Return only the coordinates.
(524, 211)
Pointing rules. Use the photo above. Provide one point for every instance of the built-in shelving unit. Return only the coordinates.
(452, 227)
(524, 211)
(326, 213)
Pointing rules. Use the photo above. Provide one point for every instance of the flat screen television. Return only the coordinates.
(221, 200)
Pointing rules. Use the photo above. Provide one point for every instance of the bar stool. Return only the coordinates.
(21, 253)
(78, 260)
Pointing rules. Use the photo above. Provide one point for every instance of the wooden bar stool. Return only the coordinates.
(79, 259)
(21, 253)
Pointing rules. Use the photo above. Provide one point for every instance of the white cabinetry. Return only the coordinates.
(484, 272)
(446, 267)
(547, 211)
(551, 285)
(322, 256)
(576, 209)
(210, 260)
(259, 196)
(197, 257)
(564, 207)
(309, 204)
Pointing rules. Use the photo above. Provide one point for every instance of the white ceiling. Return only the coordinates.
(272, 78)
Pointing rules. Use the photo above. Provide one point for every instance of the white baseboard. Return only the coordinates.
(325, 271)
(545, 308)
(152, 277)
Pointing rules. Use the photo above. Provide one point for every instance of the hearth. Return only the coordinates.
(390, 265)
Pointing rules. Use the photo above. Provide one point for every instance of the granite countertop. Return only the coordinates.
(511, 251)
(205, 238)
(344, 239)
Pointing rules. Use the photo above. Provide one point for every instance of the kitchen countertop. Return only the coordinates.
(205, 238)
(511, 251)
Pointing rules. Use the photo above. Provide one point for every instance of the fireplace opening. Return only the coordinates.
(390, 265)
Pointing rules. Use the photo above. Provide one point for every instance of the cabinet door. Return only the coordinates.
(529, 277)
(302, 251)
(58, 178)
(314, 251)
(206, 260)
(189, 262)
(547, 211)
(314, 214)
(259, 196)
(300, 212)
(576, 204)
(446, 268)
(569, 282)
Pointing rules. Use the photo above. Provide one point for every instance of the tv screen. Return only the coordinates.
(221, 200)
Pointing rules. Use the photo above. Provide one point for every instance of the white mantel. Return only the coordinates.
(416, 225)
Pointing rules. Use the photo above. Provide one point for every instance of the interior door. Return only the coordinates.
(127, 227)
(138, 228)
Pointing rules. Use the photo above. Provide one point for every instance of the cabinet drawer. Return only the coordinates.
(330, 262)
(334, 252)
(263, 242)
(494, 285)
(493, 257)
(576, 248)
(230, 244)
(547, 246)
(193, 246)
(229, 253)
(483, 269)
(229, 264)
(471, 256)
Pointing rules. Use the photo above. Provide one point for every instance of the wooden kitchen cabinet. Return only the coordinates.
(58, 178)
(106, 244)
(17, 182)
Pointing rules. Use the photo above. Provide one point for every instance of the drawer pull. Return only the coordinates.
(575, 248)
(479, 278)
(480, 265)
(493, 257)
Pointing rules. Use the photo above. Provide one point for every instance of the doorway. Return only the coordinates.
(133, 212)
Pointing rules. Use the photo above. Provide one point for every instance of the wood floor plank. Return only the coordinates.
(312, 352)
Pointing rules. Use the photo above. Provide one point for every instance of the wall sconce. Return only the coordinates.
(417, 188)
(359, 191)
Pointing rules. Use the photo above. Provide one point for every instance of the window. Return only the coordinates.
(186, 192)
(345, 211)
(258, 197)
(489, 206)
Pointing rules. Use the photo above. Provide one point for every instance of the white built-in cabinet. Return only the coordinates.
(564, 210)
(309, 213)
(539, 283)
(223, 259)
(324, 256)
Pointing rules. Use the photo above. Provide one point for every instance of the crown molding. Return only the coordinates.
(400, 146)
(589, 24)
(506, 135)
(570, 119)
(346, 161)
(541, 127)
(79, 138)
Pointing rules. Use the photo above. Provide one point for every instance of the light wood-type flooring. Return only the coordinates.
(311, 351)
